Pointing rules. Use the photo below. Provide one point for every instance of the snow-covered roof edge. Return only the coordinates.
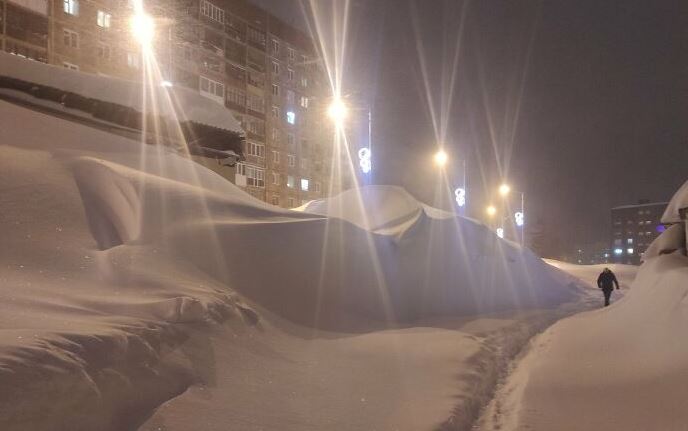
(651, 204)
(679, 201)
(119, 91)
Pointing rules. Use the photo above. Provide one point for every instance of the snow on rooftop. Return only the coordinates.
(679, 201)
(114, 90)
(651, 204)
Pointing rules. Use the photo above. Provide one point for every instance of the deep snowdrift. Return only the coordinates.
(119, 262)
(624, 367)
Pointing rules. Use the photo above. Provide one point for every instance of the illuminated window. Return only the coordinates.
(71, 7)
(304, 184)
(291, 117)
(103, 19)
(629, 251)
(618, 251)
(629, 241)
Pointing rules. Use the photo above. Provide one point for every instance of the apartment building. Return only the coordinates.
(634, 227)
(263, 70)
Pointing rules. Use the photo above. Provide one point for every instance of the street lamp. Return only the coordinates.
(338, 111)
(142, 28)
(440, 158)
(519, 216)
(491, 210)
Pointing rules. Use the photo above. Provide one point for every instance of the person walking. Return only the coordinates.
(606, 282)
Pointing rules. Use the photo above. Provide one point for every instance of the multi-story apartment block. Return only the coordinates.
(264, 71)
(634, 227)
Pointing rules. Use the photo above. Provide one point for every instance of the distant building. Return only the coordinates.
(266, 72)
(634, 227)
(591, 254)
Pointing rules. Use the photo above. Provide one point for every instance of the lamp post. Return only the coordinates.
(519, 217)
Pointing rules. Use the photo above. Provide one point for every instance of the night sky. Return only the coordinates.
(581, 104)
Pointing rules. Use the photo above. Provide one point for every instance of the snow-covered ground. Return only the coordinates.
(620, 368)
(131, 276)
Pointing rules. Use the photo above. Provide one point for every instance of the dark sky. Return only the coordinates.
(582, 104)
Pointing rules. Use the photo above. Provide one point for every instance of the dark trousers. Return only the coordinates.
(607, 295)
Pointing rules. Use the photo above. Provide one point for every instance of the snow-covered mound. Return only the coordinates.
(677, 202)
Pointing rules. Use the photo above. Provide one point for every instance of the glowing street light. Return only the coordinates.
(491, 210)
(142, 28)
(504, 189)
(440, 158)
(337, 111)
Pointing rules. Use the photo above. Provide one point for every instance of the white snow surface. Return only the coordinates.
(130, 276)
(624, 367)
(190, 105)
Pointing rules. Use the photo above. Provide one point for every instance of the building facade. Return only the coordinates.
(634, 227)
(264, 71)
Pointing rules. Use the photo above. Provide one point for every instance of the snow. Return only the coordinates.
(133, 279)
(679, 201)
(126, 93)
(624, 367)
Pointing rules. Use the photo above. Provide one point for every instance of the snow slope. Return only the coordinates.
(130, 275)
(620, 368)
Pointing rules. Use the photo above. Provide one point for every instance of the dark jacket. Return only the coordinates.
(607, 280)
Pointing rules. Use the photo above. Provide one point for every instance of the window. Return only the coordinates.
(133, 60)
(629, 241)
(257, 150)
(304, 81)
(71, 7)
(290, 139)
(629, 251)
(291, 117)
(70, 38)
(304, 163)
(276, 157)
(275, 136)
(103, 19)
(292, 54)
(212, 89)
(275, 112)
(255, 36)
(290, 75)
(236, 96)
(304, 102)
(291, 202)
(304, 184)
(276, 178)
(255, 103)
(257, 127)
(275, 199)
(70, 66)
(290, 96)
(317, 187)
(103, 51)
(618, 251)
(275, 46)
(254, 176)
(275, 68)
(291, 160)
(213, 12)
(290, 181)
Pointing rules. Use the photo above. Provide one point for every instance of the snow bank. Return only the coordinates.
(679, 201)
(126, 93)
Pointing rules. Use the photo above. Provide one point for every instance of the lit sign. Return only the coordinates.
(460, 196)
(364, 160)
(519, 218)
(500, 232)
